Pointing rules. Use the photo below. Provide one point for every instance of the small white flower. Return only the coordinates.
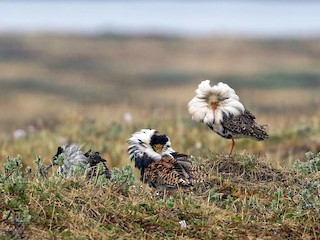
(127, 117)
(308, 205)
(198, 145)
(183, 224)
(19, 133)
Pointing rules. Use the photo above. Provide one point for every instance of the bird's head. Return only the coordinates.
(159, 143)
(214, 103)
(59, 151)
(148, 142)
(211, 103)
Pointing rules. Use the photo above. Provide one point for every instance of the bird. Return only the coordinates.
(94, 159)
(218, 106)
(70, 158)
(160, 166)
(74, 160)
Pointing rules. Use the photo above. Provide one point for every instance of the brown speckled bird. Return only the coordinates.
(160, 166)
(169, 172)
(220, 109)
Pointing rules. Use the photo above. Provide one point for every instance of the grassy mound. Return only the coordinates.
(243, 198)
(247, 169)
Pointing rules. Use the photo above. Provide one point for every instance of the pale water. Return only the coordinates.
(196, 18)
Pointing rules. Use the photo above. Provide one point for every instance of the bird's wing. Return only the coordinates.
(244, 125)
(166, 173)
(195, 173)
(174, 172)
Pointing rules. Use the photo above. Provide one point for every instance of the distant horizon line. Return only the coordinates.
(158, 35)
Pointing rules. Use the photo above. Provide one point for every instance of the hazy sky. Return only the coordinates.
(253, 18)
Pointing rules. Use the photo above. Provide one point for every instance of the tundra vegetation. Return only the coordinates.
(97, 91)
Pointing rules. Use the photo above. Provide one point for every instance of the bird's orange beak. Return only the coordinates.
(158, 148)
(214, 105)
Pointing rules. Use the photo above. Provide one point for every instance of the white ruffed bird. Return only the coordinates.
(219, 108)
(75, 161)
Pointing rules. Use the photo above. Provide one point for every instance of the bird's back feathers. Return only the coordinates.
(244, 125)
(172, 173)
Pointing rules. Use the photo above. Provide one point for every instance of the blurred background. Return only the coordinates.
(93, 72)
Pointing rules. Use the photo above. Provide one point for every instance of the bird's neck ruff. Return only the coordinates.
(142, 143)
(212, 103)
(73, 158)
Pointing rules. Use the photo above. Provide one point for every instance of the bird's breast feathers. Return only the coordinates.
(213, 103)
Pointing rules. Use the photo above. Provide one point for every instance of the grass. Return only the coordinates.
(244, 197)
(149, 72)
(277, 80)
(284, 146)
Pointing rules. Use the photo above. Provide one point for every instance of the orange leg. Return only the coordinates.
(233, 142)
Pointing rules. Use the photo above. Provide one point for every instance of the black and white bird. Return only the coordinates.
(160, 166)
(219, 108)
(75, 161)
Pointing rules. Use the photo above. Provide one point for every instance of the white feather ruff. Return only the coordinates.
(139, 144)
(200, 109)
(73, 158)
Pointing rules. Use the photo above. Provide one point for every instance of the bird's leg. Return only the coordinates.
(164, 194)
(233, 142)
(51, 165)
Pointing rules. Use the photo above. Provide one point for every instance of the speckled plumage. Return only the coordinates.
(172, 173)
(218, 106)
(164, 169)
(242, 126)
